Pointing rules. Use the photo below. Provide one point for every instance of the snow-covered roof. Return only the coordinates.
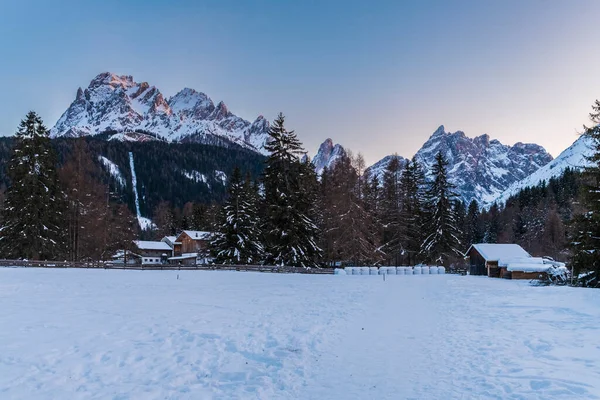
(497, 251)
(184, 256)
(170, 240)
(198, 235)
(522, 267)
(506, 261)
(529, 264)
(151, 245)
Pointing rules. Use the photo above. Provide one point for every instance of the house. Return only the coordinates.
(509, 261)
(173, 243)
(193, 241)
(484, 257)
(191, 247)
(152, 252)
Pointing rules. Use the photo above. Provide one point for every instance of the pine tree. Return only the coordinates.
(352, 237)
(473, 231)
(237, 239)
(493, 227)
(34, 207)
(390, 212)
(461, 217)
(442, 242)
(586, 237)
(290, 188)
(411, 212)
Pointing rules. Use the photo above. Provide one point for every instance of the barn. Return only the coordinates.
(484, 258)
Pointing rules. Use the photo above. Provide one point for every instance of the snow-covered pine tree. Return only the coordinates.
(585, 239)
(33, 216)
(237, 238)
(442, 242)
(290, 188)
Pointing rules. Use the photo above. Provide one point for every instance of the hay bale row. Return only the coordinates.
(416, 270)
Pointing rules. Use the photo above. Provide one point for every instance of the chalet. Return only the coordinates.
(193, 241)
(484, 257)
(152, 252)
(191, 247)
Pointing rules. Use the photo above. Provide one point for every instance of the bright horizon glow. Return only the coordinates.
(376, 79)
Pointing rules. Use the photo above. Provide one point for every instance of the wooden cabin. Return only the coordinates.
(484, 258)
(152, 252)
(190, 247)
(192, 242)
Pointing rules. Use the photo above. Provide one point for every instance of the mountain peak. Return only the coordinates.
(328, 155)
(439, 131)
(117, 103)
(111, 79)
(481, 168)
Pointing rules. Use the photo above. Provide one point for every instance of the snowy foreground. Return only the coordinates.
(85, 334)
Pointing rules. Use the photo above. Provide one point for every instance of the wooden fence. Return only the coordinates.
(200, 267)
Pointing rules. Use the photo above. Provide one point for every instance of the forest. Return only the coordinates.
(272, 210)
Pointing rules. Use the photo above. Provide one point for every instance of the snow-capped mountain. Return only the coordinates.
(327, 155)
(378, 169)
(113, 103)
(573, 157)
(480, 168)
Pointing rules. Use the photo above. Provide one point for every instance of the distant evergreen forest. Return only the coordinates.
(160, 169)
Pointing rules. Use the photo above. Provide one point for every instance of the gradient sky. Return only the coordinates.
(376, 76)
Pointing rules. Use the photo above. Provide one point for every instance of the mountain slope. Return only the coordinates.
(573, 157)
(327, 155)
(480, 168)
(139, 112)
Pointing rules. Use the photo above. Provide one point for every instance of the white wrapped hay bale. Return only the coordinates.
(417, 270)
(441, 270)
(382, 271)
(356, 271)
(391, 270)
(425, 270)
(364, 270)
(400, 270)
(349, 270)
(339, 271)
(373, 271)
(433, 270)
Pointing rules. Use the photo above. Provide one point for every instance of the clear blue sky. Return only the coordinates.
(377, 76)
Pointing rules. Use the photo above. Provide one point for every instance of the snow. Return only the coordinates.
(573, 157)
(527, 267)
(145, 223)
(222, 176)
(152, 245)
(113, 170)
(97, 334)
(200, 235)
(196, 176)
(494, 252)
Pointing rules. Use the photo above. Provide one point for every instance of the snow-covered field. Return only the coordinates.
(85, 334)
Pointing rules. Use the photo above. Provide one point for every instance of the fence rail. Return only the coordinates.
(199, 267)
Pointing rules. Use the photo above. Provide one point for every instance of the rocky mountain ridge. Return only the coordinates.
(135, 111)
